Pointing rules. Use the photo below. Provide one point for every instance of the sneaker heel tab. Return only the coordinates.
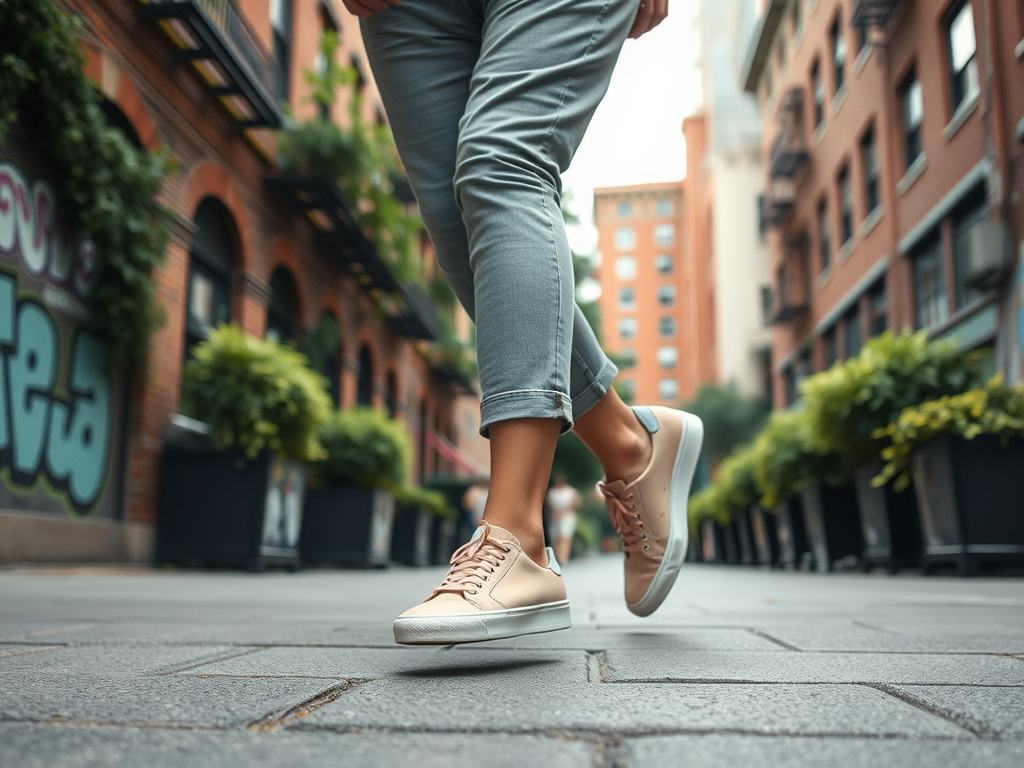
(552, 562)
(646, 417)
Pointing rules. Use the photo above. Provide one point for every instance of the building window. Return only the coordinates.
(625, 210)
(364, 381)
(625, 239)
(625, 267)
(862, 36)
(824, 239)
(780, 52)
(627, 298)
(666, 295)
(930, 304)
(664, 208)
(663, 264)
(627, 328)
(869, 159)
(391, 394)
(664, 234)
(878, 309)
(913, 114)
(794, 14)
(852, 333)
(668, 389)
(668, 357)
(838, 53)
(766, 304)
(281, 32)
(211, 261)
(829, 346)
(283, 307)
(963, 67)
(818, 89)
(969, 213)
(789, 383)
(845, 205)
(666, 327)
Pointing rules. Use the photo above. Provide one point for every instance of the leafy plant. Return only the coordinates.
(730, 418)
(786, 459)
(847, 404)
(737, 476)
(710, 502)
(106, 185)
(435, 502)
(256, 395)
(364, 447)
(991, 410)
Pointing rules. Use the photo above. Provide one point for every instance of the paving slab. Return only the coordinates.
(483, 703)
(553, 667)
(994, 639)
(666, 665)
(715, 751)
(670, 638)
(47, 746)
(114, 660)
(995, 712)
(19, 649)
(226, 702)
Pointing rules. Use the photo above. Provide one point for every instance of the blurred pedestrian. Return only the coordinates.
(488, 101)
(474, 501)
(563, 501)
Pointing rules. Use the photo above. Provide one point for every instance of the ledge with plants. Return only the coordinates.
(107, 186)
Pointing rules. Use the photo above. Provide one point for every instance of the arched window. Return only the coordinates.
(118, 119)
(322, 345)
(364, 388)
(284, 304)
(391, 394)
(211, 260)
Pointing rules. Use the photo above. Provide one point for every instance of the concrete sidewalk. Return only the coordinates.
(101, 667)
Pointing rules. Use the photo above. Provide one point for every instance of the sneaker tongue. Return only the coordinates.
(615, 487)
(498, 534)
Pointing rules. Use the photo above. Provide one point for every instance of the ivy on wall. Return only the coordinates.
(107, 185)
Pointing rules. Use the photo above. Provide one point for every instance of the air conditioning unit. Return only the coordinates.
(988, 250)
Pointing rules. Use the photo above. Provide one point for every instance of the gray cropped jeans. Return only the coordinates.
(488, 101)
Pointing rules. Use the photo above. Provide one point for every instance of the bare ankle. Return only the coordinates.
(632, 457)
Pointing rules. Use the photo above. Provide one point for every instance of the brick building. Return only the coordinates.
(205, 80)
(656, 310)
(893, 143)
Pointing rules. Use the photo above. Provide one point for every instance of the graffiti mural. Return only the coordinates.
(61, 405)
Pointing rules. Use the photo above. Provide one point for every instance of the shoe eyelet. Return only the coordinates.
(644, 537)
(646, 547)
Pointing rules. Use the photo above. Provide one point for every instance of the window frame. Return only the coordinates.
(666, 294)
(845, 204)
(913, 138)
(824, 236)
(937, 300)
(668, 323)
(870, 169)
(817, 94)
(837, 47)
(963, 82)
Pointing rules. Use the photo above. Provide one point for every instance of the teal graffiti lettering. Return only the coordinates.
(79, 438)
(7, 291)
(31, 370)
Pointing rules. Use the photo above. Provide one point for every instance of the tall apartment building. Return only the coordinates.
(894, 175)
(725, 177)
(205, 81)
(647, 312)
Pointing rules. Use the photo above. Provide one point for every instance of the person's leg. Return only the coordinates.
(616, 437)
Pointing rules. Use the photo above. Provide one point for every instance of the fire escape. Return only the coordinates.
(872, 13)
(788, 156)
(791, 298)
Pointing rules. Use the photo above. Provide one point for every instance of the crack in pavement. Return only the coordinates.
(968, 723)
(277, 720)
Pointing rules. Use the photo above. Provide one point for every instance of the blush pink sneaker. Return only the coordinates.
(493, 590)
(650, 512)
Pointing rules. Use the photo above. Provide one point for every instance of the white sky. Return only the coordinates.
(636, 135)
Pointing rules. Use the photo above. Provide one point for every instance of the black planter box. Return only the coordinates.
(347, 525)
(444, 540)
(889, 522)
(794, 551)
(972, 509)
(410, 536)
(766, 540)
(832, 520)
(712, 542)
(744, 539)
(219, 508)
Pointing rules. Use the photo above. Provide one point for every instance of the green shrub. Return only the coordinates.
(256, 394)
(364, 447)
(992, 410)
(849, 403)
(710, 502)
(786, 459)
(730, 418)
(736, 475)
(319, 146)
(418, 497)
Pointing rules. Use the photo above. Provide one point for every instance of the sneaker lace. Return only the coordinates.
(473, 563)
(626, 520)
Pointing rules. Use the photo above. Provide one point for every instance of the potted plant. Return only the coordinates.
(849, 403)
(964, 453)
(233, 475)
(351, 502)
(417, 509)
(448, 533)
(766, 539)
(736, 474)
(802, 485)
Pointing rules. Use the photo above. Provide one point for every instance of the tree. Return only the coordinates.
(730, 418)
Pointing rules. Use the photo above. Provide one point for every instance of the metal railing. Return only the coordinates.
(789, 150)
(872, 13)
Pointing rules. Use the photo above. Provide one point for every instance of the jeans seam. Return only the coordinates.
(516, 392)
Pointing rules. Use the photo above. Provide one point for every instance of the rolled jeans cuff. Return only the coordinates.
(598, 388)
(526, 404)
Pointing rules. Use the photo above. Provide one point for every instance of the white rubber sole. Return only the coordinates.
(481, 626)
(687, 456)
